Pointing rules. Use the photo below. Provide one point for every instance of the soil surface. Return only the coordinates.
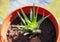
(48, 33)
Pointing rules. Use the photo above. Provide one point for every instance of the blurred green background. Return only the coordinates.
(4, 5)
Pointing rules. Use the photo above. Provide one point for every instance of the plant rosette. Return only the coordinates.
(32, 18)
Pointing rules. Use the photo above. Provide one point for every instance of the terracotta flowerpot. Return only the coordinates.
(13, 15)
(0, 34)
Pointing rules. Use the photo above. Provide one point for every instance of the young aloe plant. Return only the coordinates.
(31, 24)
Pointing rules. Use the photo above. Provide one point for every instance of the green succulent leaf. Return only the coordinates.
(37, 13)
(21, 18)
(31, 15)
(37, 31)
(41, 20)
(26, 18)
(34, 16)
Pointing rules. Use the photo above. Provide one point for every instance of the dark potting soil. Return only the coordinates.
(48, 33)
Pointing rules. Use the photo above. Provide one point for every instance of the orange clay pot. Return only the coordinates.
(0, 34)
(26, 9)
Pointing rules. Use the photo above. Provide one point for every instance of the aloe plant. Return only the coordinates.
(31, 24)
